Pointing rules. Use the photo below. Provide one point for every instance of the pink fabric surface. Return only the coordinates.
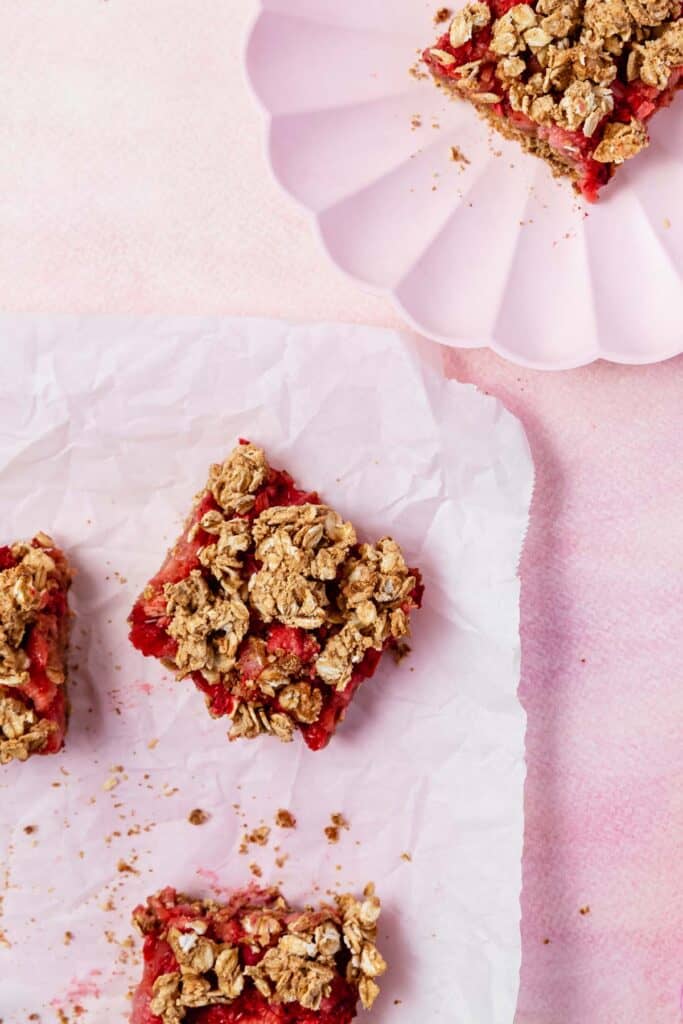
(132, 179)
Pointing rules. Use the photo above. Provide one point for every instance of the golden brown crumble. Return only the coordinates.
(620, 142)
(333, 830)
(560, 58)
(208, 626)
(299, 964)
(285, 818)
(21, 732)
(197, 817)
(234, 482)
(300, 547)
(374, 586)
(311, 574)
(21, 590)
(457, 156)
(259, 836)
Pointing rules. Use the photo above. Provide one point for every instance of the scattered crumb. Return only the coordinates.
(415, 122)
(406, 856)
(443, 14)
(68, 936)
(259, 836)
(256, 871)
(332, 831)
(285, 819)
(111, 783)
(198, 817)
(584, 910)
(281, 860)
(399, 652)
(123, 867)
(458, 157)
(667, 223)
(152, 744)
(546, 942)
(30, 829)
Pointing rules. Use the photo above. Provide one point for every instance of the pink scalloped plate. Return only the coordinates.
(492, 251)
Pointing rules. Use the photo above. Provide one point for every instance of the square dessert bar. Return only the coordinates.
(574, 81)
(254, 959)
(271, 606)
(34, 632)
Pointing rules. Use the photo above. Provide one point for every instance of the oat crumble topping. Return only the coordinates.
(21, 733)
(299, 953)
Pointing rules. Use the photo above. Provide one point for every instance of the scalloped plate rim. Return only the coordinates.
(461, 343)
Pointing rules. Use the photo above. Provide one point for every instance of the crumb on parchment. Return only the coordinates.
(198, 816)
(333, 831)
(285, 819)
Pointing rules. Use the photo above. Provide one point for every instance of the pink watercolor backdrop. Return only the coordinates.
(132, 179)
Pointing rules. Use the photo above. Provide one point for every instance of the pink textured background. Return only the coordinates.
(132, 178)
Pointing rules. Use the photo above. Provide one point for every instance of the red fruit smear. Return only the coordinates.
(56, 712)
(252, 1008)
(219, 698)
(151, 638)
(7, 559)
(288, 640)
(280, 490)
(158, 959)
(185, 554)
(251, 660)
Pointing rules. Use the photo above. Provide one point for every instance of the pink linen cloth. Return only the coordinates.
(132, 179)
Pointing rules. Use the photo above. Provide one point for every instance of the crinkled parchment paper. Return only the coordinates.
(107, 429)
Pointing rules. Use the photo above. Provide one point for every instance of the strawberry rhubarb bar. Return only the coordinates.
(254, 960)
(574, 81)
(34, 631)
(270, 604)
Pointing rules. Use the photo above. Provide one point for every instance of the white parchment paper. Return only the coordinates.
(107, 428)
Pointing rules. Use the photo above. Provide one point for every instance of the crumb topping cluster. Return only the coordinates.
(22, 733)
(296, 565)
(559, 61)
(294, 957)
(24, 588)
